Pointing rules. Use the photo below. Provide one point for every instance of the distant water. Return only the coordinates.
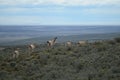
(13, 33)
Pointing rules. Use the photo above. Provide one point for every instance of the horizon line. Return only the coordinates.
(59, 25)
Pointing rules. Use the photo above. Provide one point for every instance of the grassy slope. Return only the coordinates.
(95, 61)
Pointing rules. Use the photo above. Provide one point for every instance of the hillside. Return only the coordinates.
(93, 61)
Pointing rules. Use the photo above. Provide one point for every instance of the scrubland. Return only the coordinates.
(93, 61)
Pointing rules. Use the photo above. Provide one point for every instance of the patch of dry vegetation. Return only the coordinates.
(93, 61)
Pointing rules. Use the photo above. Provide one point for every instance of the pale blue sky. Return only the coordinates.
(59, 12)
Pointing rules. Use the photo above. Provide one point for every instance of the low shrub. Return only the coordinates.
(117, 40)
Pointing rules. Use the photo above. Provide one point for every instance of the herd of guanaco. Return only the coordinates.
(50, 44)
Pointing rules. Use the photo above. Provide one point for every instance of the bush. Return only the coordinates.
(117, 40)
(12, 64)
(111, 42)
(96, 61)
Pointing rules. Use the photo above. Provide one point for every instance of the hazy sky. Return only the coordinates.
(59, 12)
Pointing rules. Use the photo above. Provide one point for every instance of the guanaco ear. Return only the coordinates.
(47, 41)
(29, 46)
(55, 38)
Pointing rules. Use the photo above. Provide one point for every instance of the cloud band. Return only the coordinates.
(60, 2)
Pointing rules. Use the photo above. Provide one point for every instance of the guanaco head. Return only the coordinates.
(51, 42)
(55, 38)
(31, 46)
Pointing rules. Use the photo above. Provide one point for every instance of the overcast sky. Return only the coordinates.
(59, 12)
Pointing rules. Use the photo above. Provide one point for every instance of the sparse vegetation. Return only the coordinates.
(93, 61)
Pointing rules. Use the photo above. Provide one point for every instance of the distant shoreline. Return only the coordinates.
(62, 39)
